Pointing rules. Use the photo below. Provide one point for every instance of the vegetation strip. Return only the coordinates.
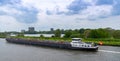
(107, 36)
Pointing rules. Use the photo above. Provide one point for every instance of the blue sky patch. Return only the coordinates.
(105, 2)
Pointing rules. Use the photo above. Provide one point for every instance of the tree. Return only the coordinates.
(3, 35)
(81, 31)
(116, 34)
(110, 31)
(57, 33)
(93, 34)
(68, 33)
(87, 33)
(99, 33)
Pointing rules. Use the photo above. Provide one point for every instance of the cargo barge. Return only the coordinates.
(76, 44)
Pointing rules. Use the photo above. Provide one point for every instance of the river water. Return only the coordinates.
(18, 52)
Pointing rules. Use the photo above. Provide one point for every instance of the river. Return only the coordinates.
(18, 52)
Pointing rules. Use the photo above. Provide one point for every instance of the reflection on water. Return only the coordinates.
(17, 52)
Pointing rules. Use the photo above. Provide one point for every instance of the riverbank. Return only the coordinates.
(105, 41)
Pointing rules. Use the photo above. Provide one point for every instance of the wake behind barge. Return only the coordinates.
(76, 44)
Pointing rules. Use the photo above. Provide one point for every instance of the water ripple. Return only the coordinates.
(109, 51)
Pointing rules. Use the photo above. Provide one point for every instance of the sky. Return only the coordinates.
(16, 15)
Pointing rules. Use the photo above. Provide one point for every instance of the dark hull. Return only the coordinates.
(48, 44)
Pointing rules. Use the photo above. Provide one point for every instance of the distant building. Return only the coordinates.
(22, 31)
(52, 30)
(31, 29)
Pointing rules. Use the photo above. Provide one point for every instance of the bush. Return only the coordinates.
(41, 36)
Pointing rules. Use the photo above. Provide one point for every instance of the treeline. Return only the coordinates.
(89, 33)
(81, 33)
(3, 35)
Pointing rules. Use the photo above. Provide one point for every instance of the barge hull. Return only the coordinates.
(48, 44)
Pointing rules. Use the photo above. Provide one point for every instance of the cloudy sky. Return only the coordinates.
(64, 14)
